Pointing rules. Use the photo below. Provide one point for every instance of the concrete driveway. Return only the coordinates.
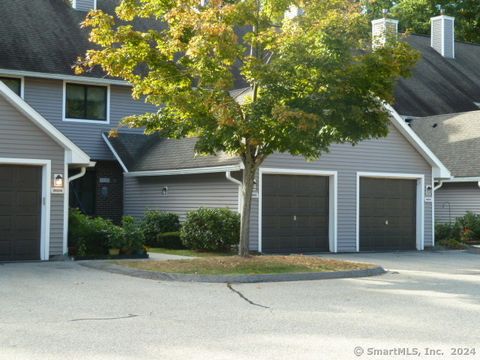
(66, 311)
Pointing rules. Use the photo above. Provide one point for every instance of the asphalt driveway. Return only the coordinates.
(66, 311)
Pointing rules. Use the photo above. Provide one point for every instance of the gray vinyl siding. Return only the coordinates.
(85, 5)
(20, 138)
(185, 193)
(453, 200)
(437, 35)
(46, 97)
(449, 37)
(392, 154)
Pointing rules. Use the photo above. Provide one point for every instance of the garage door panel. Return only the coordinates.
(387, 214)
(295, 210)
(20, 212)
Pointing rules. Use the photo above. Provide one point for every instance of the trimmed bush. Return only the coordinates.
(211, 229)
(170, 240)
(447, 231)
(133, 235)
(157, 222)
(94, 236)
(469, 225)
(452, 244)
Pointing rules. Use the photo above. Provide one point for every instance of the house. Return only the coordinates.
(52, 154)
(374, 196)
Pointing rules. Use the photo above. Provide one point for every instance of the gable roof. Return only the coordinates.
(455, 139)
(143, 154)
(439, 85)
(75, 154)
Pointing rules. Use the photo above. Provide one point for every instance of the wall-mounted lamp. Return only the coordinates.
(58, 180)
(165, 191)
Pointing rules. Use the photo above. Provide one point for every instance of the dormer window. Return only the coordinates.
(15, 84)
(86, 102)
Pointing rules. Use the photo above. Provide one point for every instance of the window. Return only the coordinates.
(86, 102)
(15, 84)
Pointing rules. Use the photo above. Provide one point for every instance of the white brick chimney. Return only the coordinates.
(383, 29)
(443, 35)
(84, 5)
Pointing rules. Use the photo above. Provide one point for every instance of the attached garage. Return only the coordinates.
(33, 206)
(297, 211)
(20, 212)
(388, 213)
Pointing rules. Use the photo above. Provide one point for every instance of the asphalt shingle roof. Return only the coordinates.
(152, 153)
(455, 139)
(45, 36)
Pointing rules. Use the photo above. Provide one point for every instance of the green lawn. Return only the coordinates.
(236, 265)
(188, 252)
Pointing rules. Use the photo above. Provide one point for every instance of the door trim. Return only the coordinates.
(332, 198)
(420, 220)
(45, 207)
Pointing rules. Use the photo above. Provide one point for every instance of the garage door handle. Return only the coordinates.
(386, 222)
(294, 217)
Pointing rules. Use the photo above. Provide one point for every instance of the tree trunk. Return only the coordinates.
(247, 190)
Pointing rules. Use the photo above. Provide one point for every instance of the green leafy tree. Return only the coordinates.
(313, 79)
(414, 15)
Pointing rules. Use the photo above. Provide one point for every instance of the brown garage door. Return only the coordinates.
(387, 214)
(294, 213)
(20, 212)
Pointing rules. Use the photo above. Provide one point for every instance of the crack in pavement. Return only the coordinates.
(245, 298)
(111, 318)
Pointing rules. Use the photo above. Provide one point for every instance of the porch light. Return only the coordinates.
(58, 180)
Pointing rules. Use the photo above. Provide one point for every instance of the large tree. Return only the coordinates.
(313, 79)
(414, 15)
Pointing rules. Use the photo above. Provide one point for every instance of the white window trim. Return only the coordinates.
(45, 206)
(333, 199)
(420, 221)
(84, 121)
(22, 83)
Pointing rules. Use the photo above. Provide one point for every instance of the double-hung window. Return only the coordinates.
(15, 84)
(86, 102)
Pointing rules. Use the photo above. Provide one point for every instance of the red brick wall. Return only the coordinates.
(109, 190)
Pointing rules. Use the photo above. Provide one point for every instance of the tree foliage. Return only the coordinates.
(313, 80)
(414, 15)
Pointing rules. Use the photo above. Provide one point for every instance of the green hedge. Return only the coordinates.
(211, 229)
(155, 223)
(94, 236)
(170, 240)
(465, 229)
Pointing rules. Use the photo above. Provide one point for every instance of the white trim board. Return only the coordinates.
(203, 170)
(75, 154)
(439, 170)
(333, 199)
(112, 149)
(420, 221)
(34, 74)
(45, 207)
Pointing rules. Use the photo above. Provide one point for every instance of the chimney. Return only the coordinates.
(84, 5)
(293, 11)
(383, 29)
(443, 35)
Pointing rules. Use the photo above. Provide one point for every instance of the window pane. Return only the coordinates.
(13, 83)
(75, 104)
(96, 103)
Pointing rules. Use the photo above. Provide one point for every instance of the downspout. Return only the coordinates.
(229, 177)
(82, 172)
(440, 184)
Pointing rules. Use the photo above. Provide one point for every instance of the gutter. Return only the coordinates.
(189, 171)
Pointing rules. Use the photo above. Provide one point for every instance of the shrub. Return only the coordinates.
(92, 236)
(169, 240)
(452, 244)
(447, 231)
(211, 229)
(157, 222)
(133, 235)
(469, 225)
